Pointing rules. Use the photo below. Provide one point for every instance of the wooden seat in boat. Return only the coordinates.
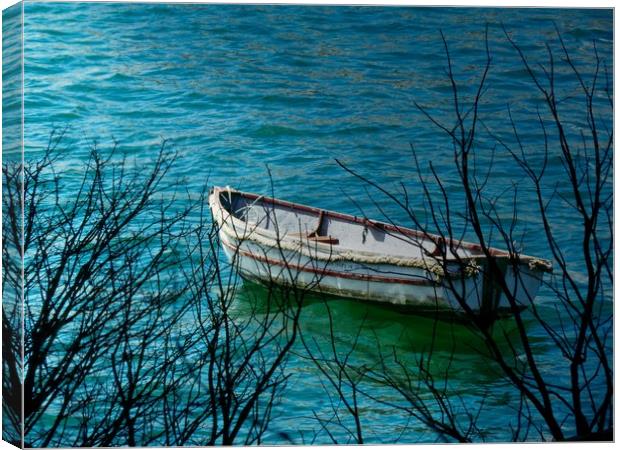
(314, 235)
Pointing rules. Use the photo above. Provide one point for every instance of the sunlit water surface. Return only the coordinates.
(237, 90)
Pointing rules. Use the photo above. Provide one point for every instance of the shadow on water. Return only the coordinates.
(377, 329)
(386, 343)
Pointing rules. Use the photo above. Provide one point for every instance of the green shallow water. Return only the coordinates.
(239, 89)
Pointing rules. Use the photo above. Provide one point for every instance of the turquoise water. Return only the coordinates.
(239, 89)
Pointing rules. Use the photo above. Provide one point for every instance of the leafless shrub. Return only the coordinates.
(581, 284)
(130, 331)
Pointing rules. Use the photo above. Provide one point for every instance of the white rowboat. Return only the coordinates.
(275, 241)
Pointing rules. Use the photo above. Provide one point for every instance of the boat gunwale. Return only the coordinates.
(216, 191)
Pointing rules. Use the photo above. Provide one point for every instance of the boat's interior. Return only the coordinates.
(297, 222)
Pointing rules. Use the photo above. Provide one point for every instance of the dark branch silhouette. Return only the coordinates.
(582, 329)
(132, 330)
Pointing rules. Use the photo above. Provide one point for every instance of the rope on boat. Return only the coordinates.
(471, 268)
(539, 264)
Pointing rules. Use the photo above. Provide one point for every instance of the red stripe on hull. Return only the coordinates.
(331, 273)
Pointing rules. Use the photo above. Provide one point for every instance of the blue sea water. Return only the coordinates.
(251, 96)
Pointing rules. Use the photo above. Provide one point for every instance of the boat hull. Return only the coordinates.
(403, 286)
(285, 258)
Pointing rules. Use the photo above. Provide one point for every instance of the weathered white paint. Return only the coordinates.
(269, 242)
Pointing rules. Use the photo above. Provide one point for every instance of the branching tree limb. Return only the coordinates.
(582, 330)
